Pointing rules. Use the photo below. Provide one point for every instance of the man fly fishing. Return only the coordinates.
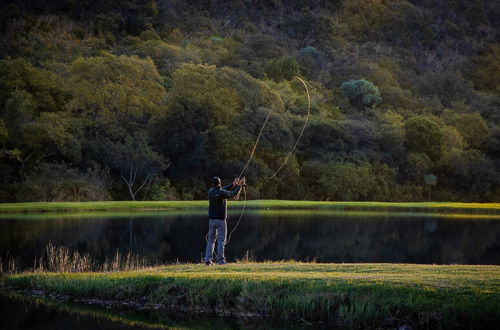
(217, 214)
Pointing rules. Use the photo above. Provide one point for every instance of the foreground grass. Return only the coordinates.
(492, 208)
(421, 295)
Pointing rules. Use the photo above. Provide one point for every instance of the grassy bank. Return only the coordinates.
(369, 294)
(444, 207)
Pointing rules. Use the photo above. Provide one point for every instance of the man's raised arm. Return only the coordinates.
(231, 193)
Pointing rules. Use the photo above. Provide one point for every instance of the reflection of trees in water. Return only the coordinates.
(158, 239)
(339, 239)
(363, 239)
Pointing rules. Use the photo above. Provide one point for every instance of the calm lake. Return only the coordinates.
(166, 237)
(325, 236)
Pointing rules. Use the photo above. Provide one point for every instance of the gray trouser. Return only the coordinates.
(218, 227)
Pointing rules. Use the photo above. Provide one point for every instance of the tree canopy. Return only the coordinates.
(149, 99)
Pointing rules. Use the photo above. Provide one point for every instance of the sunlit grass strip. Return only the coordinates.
(104, 214)
(94, 206)
(255, 204)
(435, 206)
(424, 294)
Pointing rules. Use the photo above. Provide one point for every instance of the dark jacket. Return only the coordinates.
(217, 201)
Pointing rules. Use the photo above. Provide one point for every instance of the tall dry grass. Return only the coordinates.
(61, 259)
(8, 266)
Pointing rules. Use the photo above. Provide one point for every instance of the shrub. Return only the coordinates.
(162, 190)
(471, 126)
(416, 166)
(285, 67)
(361, 93)
(424, 136)
(348, 181)
(486, 70)
(58, 182)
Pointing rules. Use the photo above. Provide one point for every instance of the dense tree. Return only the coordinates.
(473, 172)
(471, 126)
(348, 181)
(424, 136)
(119, 90)
(417, 165)
(22, 82)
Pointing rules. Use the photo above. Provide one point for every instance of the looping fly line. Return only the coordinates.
(301, 132)
(247, 164)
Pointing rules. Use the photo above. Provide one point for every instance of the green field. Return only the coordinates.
(421, 295)
(492, 208)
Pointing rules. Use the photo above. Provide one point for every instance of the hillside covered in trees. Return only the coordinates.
(149, 99)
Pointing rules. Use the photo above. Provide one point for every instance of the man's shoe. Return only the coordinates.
(208, 263)
(222, 263)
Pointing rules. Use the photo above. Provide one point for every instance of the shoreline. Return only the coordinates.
(114, 206)
(423, 295)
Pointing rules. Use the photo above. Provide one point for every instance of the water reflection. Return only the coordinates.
(269, 235)
(25, 312)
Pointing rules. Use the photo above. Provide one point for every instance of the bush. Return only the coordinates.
(348, 181)
(285, 67)
(59, 182)
(424, 136)
(416, 166)
(361, 93)
(162, 190)
(486, 70)
(471, 126)
(474, 173)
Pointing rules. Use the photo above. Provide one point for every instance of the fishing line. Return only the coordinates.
(245, 168)
(301, 132)
(241, 216)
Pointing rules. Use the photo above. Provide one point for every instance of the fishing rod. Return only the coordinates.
(245, 168)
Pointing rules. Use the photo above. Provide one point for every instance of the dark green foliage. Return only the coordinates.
(312, 63)
(361, 93)
(53, 182)
(485, 70)
(474, 173)
(180, 90)
(4, 134)
(448, 86)
(424, 136)
(21, 82)
(262, 46)
(471, 126)
(417, 165)
(285, 67)
(348, 181)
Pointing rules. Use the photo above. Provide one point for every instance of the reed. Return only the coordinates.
(61, 259)
(8, 266)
